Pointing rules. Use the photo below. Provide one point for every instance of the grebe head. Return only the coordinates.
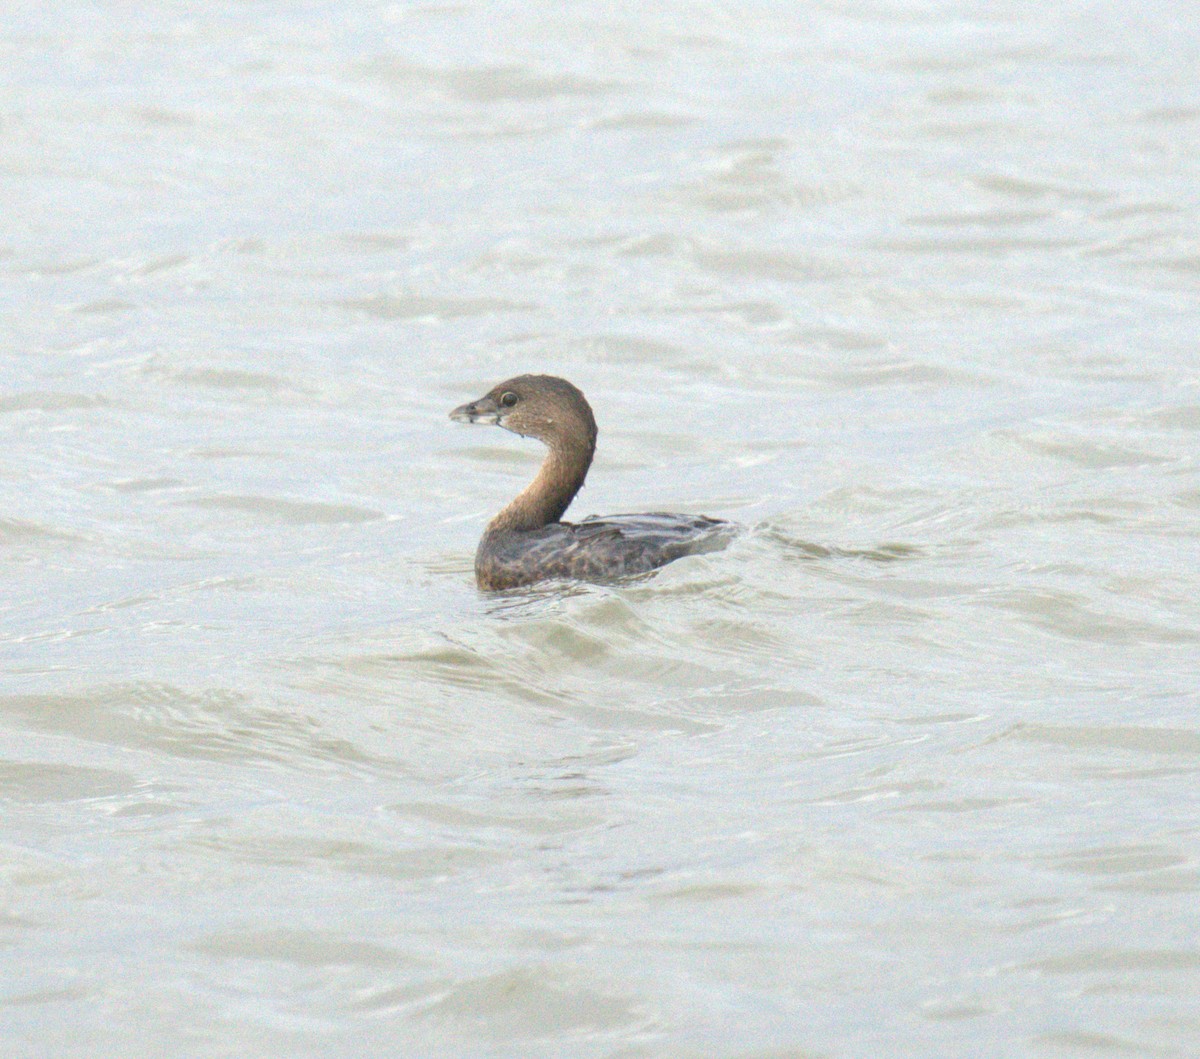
(535, 406)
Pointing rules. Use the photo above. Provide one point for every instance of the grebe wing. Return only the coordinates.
(653, 525)
(633, 544)
(603, 549)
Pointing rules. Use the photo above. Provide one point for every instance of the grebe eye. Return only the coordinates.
(507, 400)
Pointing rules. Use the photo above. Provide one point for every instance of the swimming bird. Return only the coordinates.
(528, 541)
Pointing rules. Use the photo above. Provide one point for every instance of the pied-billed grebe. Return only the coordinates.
(526, 542)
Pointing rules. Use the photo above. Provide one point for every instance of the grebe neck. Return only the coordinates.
(548, 496)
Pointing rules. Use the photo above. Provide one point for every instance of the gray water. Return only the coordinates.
(909, 290)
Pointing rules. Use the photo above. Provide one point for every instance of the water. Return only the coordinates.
(909, 290)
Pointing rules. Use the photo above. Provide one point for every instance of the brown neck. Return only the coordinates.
(549, 495)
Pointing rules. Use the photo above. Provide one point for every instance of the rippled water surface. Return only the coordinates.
(909, 290)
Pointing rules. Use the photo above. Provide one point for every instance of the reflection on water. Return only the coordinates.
(908, 769)
(791, 546)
